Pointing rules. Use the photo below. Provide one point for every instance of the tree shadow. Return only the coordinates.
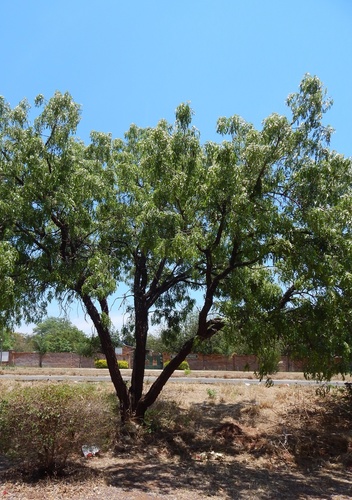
(184, 432)
(232, 480)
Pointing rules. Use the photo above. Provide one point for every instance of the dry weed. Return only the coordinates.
(271, 435)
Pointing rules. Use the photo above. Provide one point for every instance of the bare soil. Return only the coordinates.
(219, 441)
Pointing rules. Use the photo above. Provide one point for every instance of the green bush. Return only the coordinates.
(122, 363)
(43, 426)
(102, 363)
(182, 366)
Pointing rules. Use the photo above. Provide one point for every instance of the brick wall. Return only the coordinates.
(51, 359)
(62, 359)
(245, 363)
(289, 365)
(24, 358)
(241, 363)
(195, 361)
(210, 362)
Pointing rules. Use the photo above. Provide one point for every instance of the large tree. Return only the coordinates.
(254, 224)
(60, 335)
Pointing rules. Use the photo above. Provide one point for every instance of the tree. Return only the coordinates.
(5, 339)
(41, 345)
(20, 342)
(156, 344)
(7, 284)
(60, 335)
(255, 224)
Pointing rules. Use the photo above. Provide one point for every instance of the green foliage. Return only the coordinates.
(5, 339)
(155, 344)
(171, 340)
(122, 363)
(126, 335)
(20, 342)
(91, 346)
(7, 284)
(211, 393)
(44, 425)
(268, 359)
(102, 363)
(258, 223)
(184, 365)
(58, 335)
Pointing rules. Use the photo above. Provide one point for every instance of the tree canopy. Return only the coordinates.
(59, 335)
(257, 225)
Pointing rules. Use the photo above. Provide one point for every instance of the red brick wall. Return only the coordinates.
(62, 359)
(236, 363)
(24, 358)
(288, 365)
(51, 359)
(245, 363)
(195, 361)
(210, 362)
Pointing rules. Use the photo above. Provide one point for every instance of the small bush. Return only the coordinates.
(43, 426)
(182, 366)
(211, 393)
(102, 363)
(122, 364)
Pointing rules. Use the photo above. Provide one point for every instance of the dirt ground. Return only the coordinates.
(220, 441)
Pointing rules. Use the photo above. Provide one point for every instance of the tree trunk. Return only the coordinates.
(206, 329)
(141, 331)
(133, 404)
(148, 399)
(109, 351)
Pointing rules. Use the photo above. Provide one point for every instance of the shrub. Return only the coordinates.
(211, 393)
(182, 366)
(43, 426)
(122, 363)
(102, 363)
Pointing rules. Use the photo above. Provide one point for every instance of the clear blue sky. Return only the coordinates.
(135, 61)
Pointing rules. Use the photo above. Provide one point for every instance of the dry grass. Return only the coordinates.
(94, 372)
(237, 441)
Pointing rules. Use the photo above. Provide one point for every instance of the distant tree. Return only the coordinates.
(5, 336)
(20, 342)
(156, 344)
(126, 335)
(41, 346)
(58, 335)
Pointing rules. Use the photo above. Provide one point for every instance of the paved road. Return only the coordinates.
(178, 379)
